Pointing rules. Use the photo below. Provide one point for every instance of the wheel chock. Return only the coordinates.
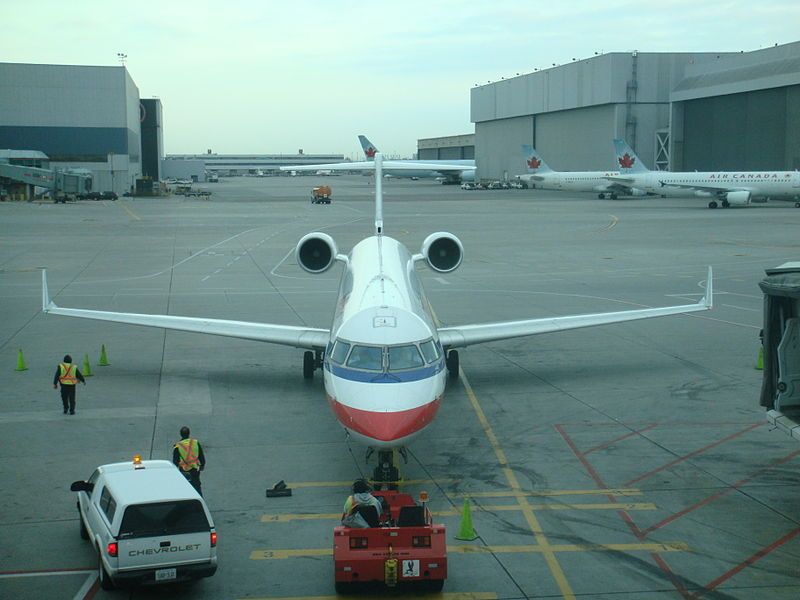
(279, 490)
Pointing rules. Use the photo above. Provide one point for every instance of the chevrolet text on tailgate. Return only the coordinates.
(147, 524)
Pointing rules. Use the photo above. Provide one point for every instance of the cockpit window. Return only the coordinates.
(404, 357)
(368, 358)
(430, 350)
(340, 351)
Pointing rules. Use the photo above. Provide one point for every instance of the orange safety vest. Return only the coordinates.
(189, 451)
(68, 376)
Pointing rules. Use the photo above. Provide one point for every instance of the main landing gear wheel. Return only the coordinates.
(452, 363)
(601, 196)
(613, 196)
(712, 204)
(797, 204)
(308, 365)
(725, 204)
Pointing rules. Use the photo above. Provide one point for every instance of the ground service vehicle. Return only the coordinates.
(407, 547)
(147, 524)
(321, 195)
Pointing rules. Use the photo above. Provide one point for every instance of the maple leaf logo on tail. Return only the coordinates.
(534, 163)
(370, 152)
(626, 161)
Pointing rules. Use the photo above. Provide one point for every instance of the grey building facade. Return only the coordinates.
(452, 147)
(672, 108)
(79, 116)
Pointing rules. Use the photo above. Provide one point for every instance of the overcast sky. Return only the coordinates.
(267, 77)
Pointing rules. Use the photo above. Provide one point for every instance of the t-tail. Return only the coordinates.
(369, 148)
(533, 161)
(627, 161)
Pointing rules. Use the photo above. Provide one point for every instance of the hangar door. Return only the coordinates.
(579, 139)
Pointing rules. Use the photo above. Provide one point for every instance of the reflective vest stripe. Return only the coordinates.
(189, 451)
(68, 374)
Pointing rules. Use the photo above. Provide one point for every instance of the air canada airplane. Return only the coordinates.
(384, 359)
(452, 171)
(726, 188)
(540, 176)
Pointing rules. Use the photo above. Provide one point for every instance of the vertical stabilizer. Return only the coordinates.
(534, 163)
(627, 161)
(378, 193)
(369, 148)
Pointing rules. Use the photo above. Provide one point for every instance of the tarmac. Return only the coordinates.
(623, 461)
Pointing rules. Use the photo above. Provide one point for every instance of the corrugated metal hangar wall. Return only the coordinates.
(572, 112)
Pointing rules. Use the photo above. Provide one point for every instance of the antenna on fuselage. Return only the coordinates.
(378, 193)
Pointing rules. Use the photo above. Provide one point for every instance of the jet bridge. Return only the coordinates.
(61, 183)
(780, 388)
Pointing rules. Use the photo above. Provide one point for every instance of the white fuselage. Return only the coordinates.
(382, 307)
(573, 181)
(773, 184)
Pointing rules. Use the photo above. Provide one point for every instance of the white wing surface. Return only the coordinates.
(393, 165)
(467, 335)
(286, 335)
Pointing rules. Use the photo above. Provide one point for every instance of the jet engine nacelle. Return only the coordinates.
(442, 251)
(316, 252)
(738, 198)
(638, 192)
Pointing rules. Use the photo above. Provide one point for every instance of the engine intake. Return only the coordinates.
(443, 251)
(316, 252)
(738, 198)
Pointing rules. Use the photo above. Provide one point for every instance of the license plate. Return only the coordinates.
(166, 574)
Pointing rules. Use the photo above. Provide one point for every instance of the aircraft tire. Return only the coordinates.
(797, 204)
(725, 204)
(712, 204)
(452, 363)
(601, 196)
(308, 364)
(613, 196)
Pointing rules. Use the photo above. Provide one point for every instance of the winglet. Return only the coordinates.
(708, 300)
(47, 304)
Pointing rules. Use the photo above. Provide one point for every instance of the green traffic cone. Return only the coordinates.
(466, 532)
(21, 366)
(87, 370)
(760, 359)
(103, 358)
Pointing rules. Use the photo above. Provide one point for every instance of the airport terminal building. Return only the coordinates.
(679, 111)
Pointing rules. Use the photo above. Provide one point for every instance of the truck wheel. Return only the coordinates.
(102, 575)
(343, 587)
(84, 533)
(308, 365)
(435, 585)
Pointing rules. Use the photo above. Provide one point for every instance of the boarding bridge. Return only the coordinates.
(780, 388)
(61, 183)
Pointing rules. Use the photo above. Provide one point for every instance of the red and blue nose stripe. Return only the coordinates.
(385, 426)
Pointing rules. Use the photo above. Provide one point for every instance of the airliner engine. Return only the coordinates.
(638, 192)
(738, 198)
(442, 251)
(316, 252)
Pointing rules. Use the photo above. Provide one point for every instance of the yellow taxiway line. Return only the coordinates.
(124, 206)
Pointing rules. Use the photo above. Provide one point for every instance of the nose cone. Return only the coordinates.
(386, 427)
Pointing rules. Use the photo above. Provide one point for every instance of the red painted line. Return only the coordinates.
(619, 439)
(579, 455)
(92, 591)
(681, 589)
(711, 498)
(691, 454)
(753, 559)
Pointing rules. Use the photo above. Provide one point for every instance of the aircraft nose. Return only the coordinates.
(387, 426)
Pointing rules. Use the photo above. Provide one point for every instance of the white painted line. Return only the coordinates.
(742, 308)
(206, 277)
(87, 585)
(442, 281)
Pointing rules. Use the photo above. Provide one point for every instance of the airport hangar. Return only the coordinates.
(679, 111)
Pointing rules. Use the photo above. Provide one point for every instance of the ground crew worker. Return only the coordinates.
(188, 456)
(358, 508)
(68, 376)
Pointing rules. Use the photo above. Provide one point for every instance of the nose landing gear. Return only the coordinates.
(386, 474)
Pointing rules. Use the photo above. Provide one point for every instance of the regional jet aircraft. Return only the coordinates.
(384, 359)
(729, 188)
(543, 177)
(452, 171)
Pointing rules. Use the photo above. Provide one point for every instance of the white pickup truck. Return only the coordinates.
(147, 524)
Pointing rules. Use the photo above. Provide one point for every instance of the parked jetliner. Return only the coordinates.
(384, 359)
(729, 188)
(542, 177)
(453, 171)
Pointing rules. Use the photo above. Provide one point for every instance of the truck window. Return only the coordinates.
(369, 358)
(163, 518)
(340, 351)
(404, 357)
(108, 505)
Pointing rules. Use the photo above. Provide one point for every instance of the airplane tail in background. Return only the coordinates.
(627, 161)
(368, 147)
(533, 161)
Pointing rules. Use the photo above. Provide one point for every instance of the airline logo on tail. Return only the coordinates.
(533, 161)
(368, 147)
(370, 151)
(626, 161)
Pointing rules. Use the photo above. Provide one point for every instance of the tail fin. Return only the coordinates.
(368, 147)
(533, 161)
(627, 161)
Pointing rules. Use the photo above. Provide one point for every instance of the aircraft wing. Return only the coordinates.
(706, 188)
(368, 165)
(628, 182)
(467, 335)
(287, 335)
(532, 177)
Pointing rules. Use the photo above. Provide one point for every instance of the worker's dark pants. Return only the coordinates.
(68, 397)
(193, 476)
